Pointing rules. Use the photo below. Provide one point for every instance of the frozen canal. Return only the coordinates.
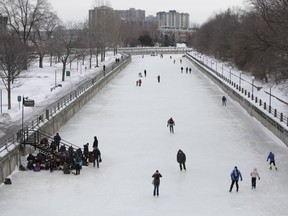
(131, 125)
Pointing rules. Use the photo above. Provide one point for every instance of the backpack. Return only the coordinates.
(7, 181)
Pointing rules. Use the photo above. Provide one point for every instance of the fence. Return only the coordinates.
(17, 137)
(270, 117)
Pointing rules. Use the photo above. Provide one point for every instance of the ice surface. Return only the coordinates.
(131, 125)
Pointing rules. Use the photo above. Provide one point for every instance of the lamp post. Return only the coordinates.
(240, 72)
(1, 100)
(270, 100)
(55, 77)
(252, 83)
(230, 73)
(216, 66)
(28, 103)
(222, 71)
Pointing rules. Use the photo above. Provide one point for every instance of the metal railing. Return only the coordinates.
(273, 112)
(33, 124)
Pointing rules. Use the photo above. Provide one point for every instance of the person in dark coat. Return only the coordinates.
(235, 175)
(271, 157)
(53, 147)
(181, 159)
(86, 151)
(97, 157)
(224, 100)
(31, 161)
(171, 125)
(158, 78)
(156, 182)
(57, 140)
(95, 143)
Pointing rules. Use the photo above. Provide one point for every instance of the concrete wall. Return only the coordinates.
(10, 161)
(273, 125)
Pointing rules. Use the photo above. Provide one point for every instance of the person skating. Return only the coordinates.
(235, 175)
(156, 182)
(158, 78)
(171, 125)
(254, 175)
(224, 100)
(271, 157)
(97, 157)
(181, 159)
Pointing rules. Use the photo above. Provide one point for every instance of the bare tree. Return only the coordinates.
(66, 39)
(272, 34)
(42, 33)
(14, 58)
(24, 15)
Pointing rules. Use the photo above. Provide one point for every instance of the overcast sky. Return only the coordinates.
(199, 10)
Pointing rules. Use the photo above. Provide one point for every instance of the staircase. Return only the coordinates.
(34, 138)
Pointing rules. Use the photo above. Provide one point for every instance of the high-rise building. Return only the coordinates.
(173, 20)
(131, 15)
(99, 15)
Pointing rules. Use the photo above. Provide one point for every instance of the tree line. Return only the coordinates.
(254, 40)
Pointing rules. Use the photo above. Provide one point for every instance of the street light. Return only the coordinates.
(240, 72)
(25, 103)
(270, 101)
(252, 83)
(1, 100)
(230, 73)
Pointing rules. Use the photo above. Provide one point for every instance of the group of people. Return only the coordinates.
(236, 174)
(64, 159)
(181, 159)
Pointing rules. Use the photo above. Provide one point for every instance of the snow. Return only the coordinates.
(130, 123)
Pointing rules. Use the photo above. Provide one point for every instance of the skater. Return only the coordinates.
(254, 174)
(181, 159)
(224, 100)
(57, 140)
(139, 82)
(190, 70)
(145, 73)
(181, 69)
(271, 157)
(171, 125)
(95, 143)
(158, 78)
(97, 157)
(235, 175)
(156, 182)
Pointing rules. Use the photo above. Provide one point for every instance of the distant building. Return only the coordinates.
(173, 20)
(131, 15)
(99, 15)
(3, 22)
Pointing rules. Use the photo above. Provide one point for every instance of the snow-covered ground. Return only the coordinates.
(38, 84)
(130, 123)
